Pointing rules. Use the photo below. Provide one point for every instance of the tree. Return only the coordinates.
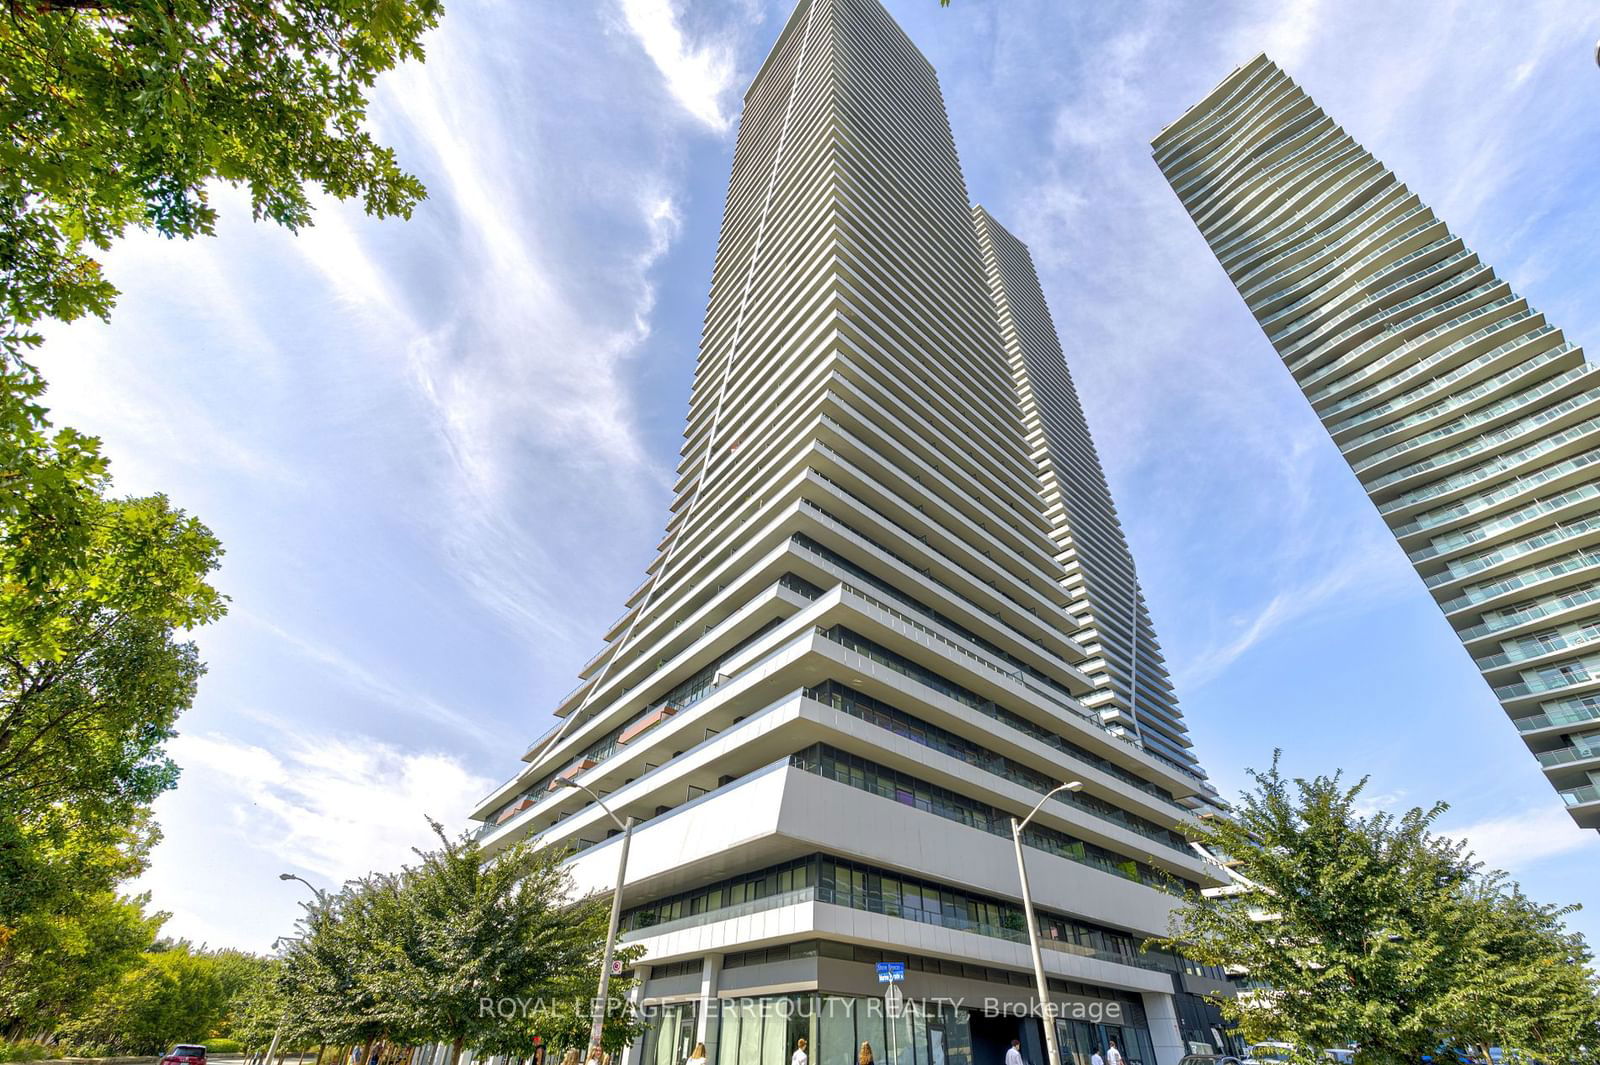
(1368, 928)
(93, 678)
(54, 965)
(120, 112)
(64, 932)
(459, 949)
(178, 993)
(174, 996)
(1340, 915)
(324, 988)
(1524, 982)
(477, 940)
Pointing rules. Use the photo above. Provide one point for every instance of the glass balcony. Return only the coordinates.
(1523, 652)
(1506, 490)
(1532, 613)
(1328, 369)
(1378, 366)
(1434, 385)
(1576, 674)
(1422, 366)
(1577, 560)
(1580, 796)
(1523, 516)
(1568, 755)
(1569, 714)
(1466, 567)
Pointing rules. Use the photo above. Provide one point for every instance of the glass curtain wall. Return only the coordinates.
(763, 1031)
(670, 1036)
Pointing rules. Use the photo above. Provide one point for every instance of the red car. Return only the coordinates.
(185, 1054)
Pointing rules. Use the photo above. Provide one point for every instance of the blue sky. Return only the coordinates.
(439, 451)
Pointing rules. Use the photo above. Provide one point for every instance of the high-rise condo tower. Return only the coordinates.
(852, 659)
(1125, 664)
(1471, 422)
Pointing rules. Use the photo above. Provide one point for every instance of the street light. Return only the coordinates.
(1052, 1048)
(602, 997)
(322, 900)
(321, 895)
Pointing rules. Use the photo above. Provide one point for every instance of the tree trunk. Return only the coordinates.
(455, 1050)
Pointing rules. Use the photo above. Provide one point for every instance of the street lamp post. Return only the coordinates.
(1052, 1047)
(597, 1023)
(277, 1033)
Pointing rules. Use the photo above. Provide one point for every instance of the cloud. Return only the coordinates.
(329, 807)
(1518, 840)
(697, 77)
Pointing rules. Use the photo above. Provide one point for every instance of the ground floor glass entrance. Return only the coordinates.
(1080, 1040)
(764, 1031)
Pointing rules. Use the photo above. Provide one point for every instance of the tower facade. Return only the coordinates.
(1472, 423)
(852, 660)
(1132, 687)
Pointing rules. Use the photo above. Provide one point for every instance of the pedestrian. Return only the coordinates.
(1014, 1055)
(1095, 1058)
(864, 1057)
(1113, 1055)
(799, 1056)
(570, 1057)
(698, 1055)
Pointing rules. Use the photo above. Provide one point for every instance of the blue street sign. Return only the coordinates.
(891, 972)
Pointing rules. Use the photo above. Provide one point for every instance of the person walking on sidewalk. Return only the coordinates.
(697, 1056)
(799, 1056)
(1014, 1055)
(1113, 1055)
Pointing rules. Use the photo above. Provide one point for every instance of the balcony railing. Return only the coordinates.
(1580, 796)
(1536, 649)
(1570, 715)
(1560, 682)
(1568, 755)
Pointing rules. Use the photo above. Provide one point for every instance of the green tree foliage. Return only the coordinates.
(120, 112)
(1524, 982)
(93, 677)
(462, 949)
(174, 996)
(1367, 928)
(64, 932)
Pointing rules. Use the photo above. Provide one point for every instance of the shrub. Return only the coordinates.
(224, 1046)
(27, 1052)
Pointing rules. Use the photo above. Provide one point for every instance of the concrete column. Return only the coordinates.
(630, 1056)
(1161, 1012)
(708, 1027)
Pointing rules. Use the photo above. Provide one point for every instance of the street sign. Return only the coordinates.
(894, 1002)
(616, 966)
(891, 972)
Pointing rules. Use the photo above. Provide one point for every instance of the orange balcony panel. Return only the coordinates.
(513, 810)
(573, 770)
(648, 721)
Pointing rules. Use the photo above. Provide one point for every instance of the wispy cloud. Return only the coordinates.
(370, 684)
(1356, 578)
(1521, 839)
(331, 807)
(698, 76)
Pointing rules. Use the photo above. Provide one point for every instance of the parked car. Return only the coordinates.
(1341, 1055)
(1268, 1054)
(1209, 1059)
(185, 1054)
